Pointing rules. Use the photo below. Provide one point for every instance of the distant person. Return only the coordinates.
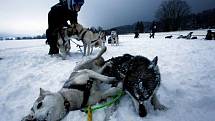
(153, 30)
(210, 35)
(57, 19)
(136, 34)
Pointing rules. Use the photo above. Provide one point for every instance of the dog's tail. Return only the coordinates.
(101, 52)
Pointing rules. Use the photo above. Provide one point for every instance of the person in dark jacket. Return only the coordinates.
(65, 10)
(136, 34)
(153, 30)
(210, 35)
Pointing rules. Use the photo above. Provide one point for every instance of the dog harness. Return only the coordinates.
(82, 87)
(82, 34)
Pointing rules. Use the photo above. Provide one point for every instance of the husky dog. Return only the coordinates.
(186, 37)
(169, 37)
(141, 79)
(114, 38)
(78, 92)
(63, 42)
(89, 38)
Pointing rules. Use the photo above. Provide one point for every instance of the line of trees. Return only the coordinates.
(35, 37)
(139, 27)
(24, 38)
(205, 19)
(175, 15)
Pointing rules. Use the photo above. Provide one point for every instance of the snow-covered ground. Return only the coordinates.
(187, 69)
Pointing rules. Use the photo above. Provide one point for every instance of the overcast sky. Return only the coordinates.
(30, 16)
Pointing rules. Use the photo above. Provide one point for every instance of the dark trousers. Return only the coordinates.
(152, 35)
(52, 38)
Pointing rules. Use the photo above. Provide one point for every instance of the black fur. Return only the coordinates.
(140, 76)
(169, 37)
(210, 35)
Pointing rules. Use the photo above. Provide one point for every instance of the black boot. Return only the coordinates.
(53, 49)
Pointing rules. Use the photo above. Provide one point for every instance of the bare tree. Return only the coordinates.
(172, 14)
(139, 27)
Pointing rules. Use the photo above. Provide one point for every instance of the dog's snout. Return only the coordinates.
(142, 110)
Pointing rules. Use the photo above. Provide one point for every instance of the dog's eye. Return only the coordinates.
(39, 105)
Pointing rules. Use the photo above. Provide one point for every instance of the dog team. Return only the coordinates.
(137, 76)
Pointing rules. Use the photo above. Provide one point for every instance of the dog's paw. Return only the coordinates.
(112, 79)
(109, 64)
(120, 85)
(160, 107)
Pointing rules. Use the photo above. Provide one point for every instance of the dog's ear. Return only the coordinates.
(72, 25)
(43, 92)
(155, 61)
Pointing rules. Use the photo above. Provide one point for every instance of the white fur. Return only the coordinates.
(114, 38)
(90, 39)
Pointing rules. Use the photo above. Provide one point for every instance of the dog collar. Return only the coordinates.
(66, 103)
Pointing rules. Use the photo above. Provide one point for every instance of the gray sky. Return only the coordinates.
(30, 16)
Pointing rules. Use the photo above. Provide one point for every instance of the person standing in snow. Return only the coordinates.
(65, 10)
(153, 30)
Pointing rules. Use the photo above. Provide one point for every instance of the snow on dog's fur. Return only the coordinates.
(77, 31)
(54, 106)
(141, 79)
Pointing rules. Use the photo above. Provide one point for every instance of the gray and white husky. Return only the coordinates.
(79, 91)
(77, 31)
(140, 77)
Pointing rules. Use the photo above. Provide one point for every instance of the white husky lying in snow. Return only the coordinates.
(79, 91)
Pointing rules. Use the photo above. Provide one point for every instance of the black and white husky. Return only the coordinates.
(79, 91)
(141, 79)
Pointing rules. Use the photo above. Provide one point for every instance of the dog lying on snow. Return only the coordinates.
(79, 91)
(141, 79)
(90, 39)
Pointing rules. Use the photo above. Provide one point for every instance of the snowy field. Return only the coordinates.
(187, 69)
